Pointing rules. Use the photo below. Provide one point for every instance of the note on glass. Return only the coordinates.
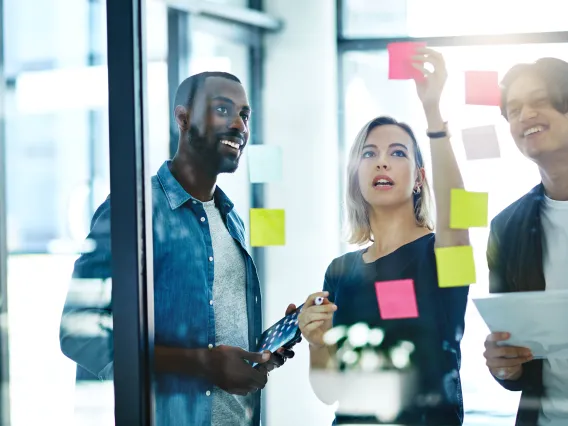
(264, 163)
(482, 88)
(396, 299)
(267, 227)
(468, 209)
(481, 143)
(455, 266)
(400, 61)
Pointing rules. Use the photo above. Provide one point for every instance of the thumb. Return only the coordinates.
(258, 357)
(291, 308)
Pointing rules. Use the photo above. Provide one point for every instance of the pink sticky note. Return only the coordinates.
(396, 299)
(400, 61)
(482, 88)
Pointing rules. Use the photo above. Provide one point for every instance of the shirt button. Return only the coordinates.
(194, 202)
(202, 219)
(256, 299)
(210, 258)
(210, 302)
(210, 346)
(208, 393)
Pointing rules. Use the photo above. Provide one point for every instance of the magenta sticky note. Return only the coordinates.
(400, 61)
(397, 299)
(482, 88)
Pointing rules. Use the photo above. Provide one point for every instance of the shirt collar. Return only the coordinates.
(177, 196)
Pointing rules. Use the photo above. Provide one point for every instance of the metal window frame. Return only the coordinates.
(4, 351)
(131, 222)
(347, 44)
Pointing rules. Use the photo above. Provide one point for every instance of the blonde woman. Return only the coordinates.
(389, 205)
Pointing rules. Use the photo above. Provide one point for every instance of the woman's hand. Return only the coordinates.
(315, 320)
(505, 362)
(430, 88)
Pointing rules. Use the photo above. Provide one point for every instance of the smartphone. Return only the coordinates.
(285, 333)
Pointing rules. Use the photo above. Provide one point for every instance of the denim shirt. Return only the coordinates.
(183, 295)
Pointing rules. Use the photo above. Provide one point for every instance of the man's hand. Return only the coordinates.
(505, 362)
(228, 369)
(278, 358)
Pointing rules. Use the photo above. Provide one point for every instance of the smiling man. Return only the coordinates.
(528, 244)
(207, 301)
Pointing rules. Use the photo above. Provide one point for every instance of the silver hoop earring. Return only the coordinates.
(416, 190)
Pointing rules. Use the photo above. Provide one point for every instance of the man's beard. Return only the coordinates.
(209, 154)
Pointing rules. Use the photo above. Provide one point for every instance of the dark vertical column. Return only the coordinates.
(179, 50)
(131, 225)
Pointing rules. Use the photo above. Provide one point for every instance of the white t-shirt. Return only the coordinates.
(554, 218)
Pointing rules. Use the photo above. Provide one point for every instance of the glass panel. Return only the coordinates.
(369, 93)
(419, 18)
(57, 174)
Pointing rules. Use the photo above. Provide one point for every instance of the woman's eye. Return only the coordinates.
(368, 154)
(399, 153)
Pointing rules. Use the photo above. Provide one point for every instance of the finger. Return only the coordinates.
(422, 69)
(291, 308)
(287, 353)
(507, 362)
(255, 357)
(498, 337)
(431, 53)
(313, 326)
(331, 307)
(308, 319)
(507, 352)
(312, 297)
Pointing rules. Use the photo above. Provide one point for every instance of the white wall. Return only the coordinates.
(300, 114)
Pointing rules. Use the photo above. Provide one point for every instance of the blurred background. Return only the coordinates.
(315, 71)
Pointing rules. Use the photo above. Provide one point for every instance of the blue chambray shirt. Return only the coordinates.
(183, 294)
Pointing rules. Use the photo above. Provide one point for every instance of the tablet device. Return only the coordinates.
(285, 333)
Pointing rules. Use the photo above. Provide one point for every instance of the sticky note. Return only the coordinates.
(482, 88)
(267, 227)
(455, 266)
(264, 163)
(400, 61)
(468, 209)
(396, 299)
(481, 143)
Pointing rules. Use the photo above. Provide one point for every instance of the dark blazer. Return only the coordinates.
(514, 257)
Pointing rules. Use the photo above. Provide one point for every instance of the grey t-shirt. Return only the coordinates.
(231, 320)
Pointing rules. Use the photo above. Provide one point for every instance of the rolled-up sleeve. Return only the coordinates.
(86, 324)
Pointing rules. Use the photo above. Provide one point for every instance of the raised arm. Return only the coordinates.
(445, 171)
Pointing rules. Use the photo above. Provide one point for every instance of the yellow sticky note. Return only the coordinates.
(267, 227)
(468, 209)
(455, 266)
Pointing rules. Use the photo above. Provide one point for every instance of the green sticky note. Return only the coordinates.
(264, 163)
(468, 209)
(267, 227)
(455, 266)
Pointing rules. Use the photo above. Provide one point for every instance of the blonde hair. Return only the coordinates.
(357, 209)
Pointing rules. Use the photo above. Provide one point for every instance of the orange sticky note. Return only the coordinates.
(400, 61)
(267, 227)
(468, 209)
(482, 88)
(396, 299)
(456, 266)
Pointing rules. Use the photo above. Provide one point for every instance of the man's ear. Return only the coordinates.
(182, 118)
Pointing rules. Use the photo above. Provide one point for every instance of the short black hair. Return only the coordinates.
(554, 73)
(188, 88)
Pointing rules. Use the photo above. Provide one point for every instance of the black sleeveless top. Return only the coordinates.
(436, 332)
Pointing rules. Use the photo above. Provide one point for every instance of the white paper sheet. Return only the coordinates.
(535, 320)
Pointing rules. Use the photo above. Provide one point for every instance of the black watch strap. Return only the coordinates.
(439, 134)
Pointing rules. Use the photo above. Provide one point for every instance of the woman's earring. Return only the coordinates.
(416, 190)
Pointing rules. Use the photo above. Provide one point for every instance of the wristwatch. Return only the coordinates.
(439, 134)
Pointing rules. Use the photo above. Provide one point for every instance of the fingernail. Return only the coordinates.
(265, 356)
